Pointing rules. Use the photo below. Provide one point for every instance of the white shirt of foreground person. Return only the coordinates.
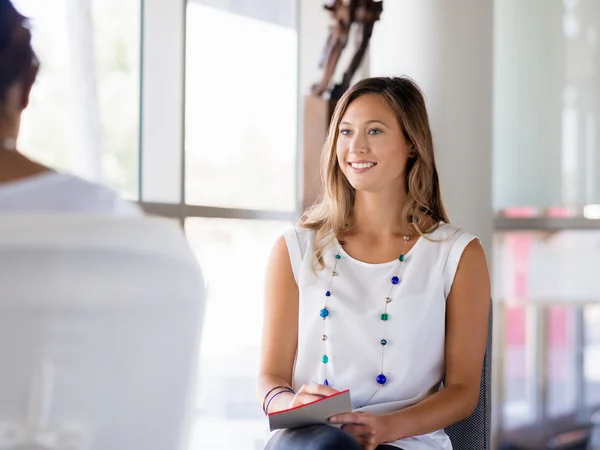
(100, 325)
(414, 362)
(61, 192)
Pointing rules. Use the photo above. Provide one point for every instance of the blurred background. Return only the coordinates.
(196, 109)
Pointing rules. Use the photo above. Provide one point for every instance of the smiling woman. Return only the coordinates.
(371, 277)
(387, 145)
(382, 123)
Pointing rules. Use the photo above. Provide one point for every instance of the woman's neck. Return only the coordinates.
(15, 166)
(8, 144)
(9, 131)
(380, 214)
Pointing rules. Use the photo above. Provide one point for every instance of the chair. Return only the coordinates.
(594, 440)
(474, 432)
(100, 320)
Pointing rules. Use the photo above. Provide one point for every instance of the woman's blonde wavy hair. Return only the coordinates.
(331, 212)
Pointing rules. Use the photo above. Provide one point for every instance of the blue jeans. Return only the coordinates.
(317, 437)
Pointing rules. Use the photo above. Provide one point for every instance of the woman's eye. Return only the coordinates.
(375, 131)
(344, 132)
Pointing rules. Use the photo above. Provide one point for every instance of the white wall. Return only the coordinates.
(446, 47)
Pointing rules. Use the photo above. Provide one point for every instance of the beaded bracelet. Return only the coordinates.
(267, 394)
(271, 399)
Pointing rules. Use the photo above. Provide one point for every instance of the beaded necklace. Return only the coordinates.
(381, 379)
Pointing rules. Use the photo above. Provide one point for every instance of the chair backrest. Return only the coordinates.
(474, 433)
(100, 320)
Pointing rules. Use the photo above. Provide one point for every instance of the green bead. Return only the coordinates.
(401, 257)
(385, 317)
(325, 359)
(338, 256)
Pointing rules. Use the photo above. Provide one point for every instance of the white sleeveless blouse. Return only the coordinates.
(415, 332)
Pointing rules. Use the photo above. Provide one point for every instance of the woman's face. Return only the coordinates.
(371, 148)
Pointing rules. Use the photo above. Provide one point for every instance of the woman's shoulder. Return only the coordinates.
(56, 191)
(446, 232)
(300, 237)
(300, 245)
(301, 231)
(95, 197)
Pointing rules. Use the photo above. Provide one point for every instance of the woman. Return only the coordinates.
(375, 291)
(26, 185)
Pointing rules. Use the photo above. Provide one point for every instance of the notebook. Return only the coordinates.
(315, 413)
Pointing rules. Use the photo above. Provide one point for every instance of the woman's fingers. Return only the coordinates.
(319, 389)
(309, 393)
(309, 398)
(348, 418)
(302, 398)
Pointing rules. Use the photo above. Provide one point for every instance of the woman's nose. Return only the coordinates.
(358, 144)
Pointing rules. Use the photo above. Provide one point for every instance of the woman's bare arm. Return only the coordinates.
(467, 312)
(280, 328)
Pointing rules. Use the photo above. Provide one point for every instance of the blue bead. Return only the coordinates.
(326, 383)
(327, 294)
(381, 379)
(395, 280)
(324, 312)
(383, 342)
(338, 256)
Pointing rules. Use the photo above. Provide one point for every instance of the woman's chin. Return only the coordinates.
(365, 187)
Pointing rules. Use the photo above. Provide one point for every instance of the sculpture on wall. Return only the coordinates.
(359, 15)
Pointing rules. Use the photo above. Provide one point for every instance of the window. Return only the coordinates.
(591, 366)
(240, 176)
(548, 322)
(206, 135)
(241, 109)
(561, 364)
(519, 403)
(234, 255)
(546, 112)
(546, 167)
(84, 113)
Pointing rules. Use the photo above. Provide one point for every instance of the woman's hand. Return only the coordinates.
(367, 428)
(309, 393)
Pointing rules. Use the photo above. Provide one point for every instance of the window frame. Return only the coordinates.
(164, 88)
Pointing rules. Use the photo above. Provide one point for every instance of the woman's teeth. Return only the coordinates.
(362, 165)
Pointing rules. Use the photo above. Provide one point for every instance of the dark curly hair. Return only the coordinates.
(18, 61)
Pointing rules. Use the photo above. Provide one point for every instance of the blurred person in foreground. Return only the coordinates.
(26, 185)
